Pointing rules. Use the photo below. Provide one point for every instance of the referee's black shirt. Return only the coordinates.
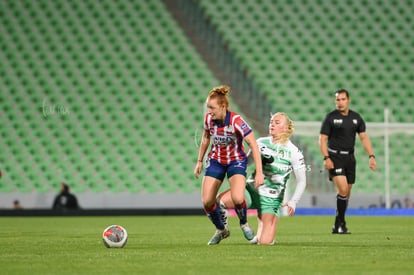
(341, 130)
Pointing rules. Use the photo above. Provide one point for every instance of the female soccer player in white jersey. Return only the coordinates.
(226, 131)
(280, 157)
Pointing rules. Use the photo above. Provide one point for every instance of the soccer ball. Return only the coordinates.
(114, 236)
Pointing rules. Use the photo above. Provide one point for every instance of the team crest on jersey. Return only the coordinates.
(281, 154)
(355, 121)
(229, 129)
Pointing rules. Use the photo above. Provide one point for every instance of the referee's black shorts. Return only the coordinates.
(344, 165)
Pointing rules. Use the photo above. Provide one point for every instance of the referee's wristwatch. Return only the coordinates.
(326, 157)
(371, 156)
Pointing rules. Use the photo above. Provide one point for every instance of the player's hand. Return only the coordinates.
(328, 163)
(372, 164)
(291, 207)
(197, 169)
(259, 179)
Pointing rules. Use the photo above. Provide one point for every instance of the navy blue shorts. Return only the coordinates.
(217, 170)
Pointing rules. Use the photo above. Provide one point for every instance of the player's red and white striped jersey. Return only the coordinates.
(227, 139)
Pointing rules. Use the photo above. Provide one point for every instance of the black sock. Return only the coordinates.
(341, 205)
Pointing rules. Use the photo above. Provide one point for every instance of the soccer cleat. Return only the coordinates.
(247, 231)
(341, 229)
(218, 236)
(254, 240)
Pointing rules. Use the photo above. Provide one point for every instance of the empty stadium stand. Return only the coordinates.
(104, 95)
(299, 53)
(108, 95)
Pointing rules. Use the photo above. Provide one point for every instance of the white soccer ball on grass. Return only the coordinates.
(115, 236)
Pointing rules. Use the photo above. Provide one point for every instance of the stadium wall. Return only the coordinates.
(179, 201)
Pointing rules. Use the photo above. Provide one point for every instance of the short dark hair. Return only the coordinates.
(342, 91)
(65, 187)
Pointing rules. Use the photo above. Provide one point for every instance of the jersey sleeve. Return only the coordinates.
(299, 169)
(361, 126)
(242, 126)
(206, 122)
(326, 127)
(298, 160)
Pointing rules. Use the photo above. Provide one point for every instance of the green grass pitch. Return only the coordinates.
(178, 245)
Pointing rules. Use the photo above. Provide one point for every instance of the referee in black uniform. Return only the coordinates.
(337, 142)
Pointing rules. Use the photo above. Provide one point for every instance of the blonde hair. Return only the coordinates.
(284, 137)
(221, 94)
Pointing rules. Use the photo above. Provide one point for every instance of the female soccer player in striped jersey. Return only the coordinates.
(226, 131)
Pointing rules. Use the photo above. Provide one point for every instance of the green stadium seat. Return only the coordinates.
(101, 140)
(129, 77)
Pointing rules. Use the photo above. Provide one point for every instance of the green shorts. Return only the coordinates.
(261, 203)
